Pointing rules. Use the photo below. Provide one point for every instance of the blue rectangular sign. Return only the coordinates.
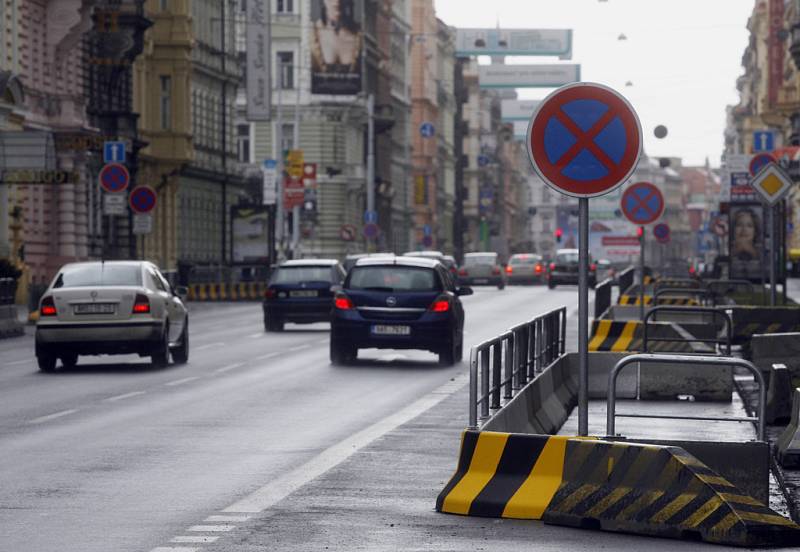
(113, 152)
(370, 217)
(763, 140)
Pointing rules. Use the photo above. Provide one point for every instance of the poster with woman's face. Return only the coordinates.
(746, 227)
(336, 47)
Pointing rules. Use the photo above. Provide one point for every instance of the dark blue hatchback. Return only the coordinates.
(398, 303)
(302, 292)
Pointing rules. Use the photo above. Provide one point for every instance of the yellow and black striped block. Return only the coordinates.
(220, 291)
(634, 300)
(626, 487)
(748, 321)
(648, 300)
(628, 336)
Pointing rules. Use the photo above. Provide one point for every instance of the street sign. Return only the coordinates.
(293, 192)
(269, 190)
(772, 183)
(584, 140)
(371, 230)
(114, 177)
(483, 160)
(114, 204)
(759, 161)
(763, 140)
(427, 241)
(142, 223)
(370, 217)
(662, 232)
(642, 203)
(310, 175)
(113, 152)
(295, 163)
(142, 199)
(427, 130)
(427, 230)
(348, 232)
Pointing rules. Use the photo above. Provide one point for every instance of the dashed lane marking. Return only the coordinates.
(256, 335)
(278, 489)
(230, 519)
(194, 539)
(181, 381)
(53, 416)
(208, 346)
(211, 528)
(125, 396)
(175, 549)
(17, 362)
(228, 368)
(268, 355)
(299, 348)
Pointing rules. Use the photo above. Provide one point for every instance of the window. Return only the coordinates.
(286, 70)
(285, 6)
(393, 279)
(243, 143)
(166, 102)
(99, 274)
(287, 137)
(163, 5)
(299, 274)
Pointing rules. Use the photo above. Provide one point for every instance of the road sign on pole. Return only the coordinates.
(113, 152)
(142, 199)
(142, 223)
(370, 217)
(584, 140)
(427, 130)
(642, 203)
(760, 161)
(662, 232)
(371, 230)
(348, 232)
(763, 140)
(114, 204)
(114, 178)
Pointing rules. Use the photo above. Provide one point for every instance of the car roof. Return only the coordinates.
(525, 255)
(565, 251)
(423, 254)
(113, 263)
(309, 262)
(421, 262)
(480, 253)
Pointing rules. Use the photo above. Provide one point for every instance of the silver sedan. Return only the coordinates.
(112, 307)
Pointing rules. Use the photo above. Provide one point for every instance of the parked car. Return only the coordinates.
(482, 269)
(564, 269)
(448, 261)
(112, 307)
(350, 260)
(302, 292)
(398, 303)
(526, 268)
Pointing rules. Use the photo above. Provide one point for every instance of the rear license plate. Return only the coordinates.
(391, 330)
(95, 308)
(302, 293)
(481, 280)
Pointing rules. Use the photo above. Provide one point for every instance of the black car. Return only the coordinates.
(564, 269)
(302, 292)
(398, 303)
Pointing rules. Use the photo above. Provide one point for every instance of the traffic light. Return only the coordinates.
(559, 232)
(640, 234)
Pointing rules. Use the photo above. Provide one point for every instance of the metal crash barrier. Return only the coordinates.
(714, 312)
(625, 279)
(699, 293)
(685, 359)
(602, 297)
(504, 364)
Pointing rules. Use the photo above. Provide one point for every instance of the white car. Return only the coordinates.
(111, 307)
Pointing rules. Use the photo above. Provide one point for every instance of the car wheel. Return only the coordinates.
(46, 361)
(501, 286)
(342, 354)
(159, 358)
(551, 284)
(69, 360)
(273, 324)
(180, 354)
(460, 350)
(450, 354)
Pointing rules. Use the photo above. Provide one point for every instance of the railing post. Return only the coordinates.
(511, 347)
(485, 383)
(473, 388)
(564, 329)
(497, 374)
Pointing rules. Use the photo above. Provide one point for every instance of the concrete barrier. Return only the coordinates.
(221, 291)
(750, 321)
(667, 381)
(615, 486)
(779, 395)
(620, 336)
(776, 348)
(788, 449)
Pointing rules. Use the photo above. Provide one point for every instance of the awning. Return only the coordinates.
(794, 254)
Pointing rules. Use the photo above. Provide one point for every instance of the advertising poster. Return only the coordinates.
(746, 241)
(258, 39)
(336, 47)
(514, 42)
(250, 233)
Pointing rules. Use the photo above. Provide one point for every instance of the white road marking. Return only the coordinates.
(324, 341)
(256, 335)
(175, 549)
(49, 417)
(125, 396)
(208, 346)
(196, 539)
(211, 528)
(181, 381)
(299, 348)
(268, 355)
(228, 368)
(280, 488)
(232, 519)
(17, 362)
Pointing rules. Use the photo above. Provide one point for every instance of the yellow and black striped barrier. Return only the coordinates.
(648, 300)
(615, 486)
(241, 291)
(628, 336)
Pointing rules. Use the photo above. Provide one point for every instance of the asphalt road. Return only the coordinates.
(114, 455)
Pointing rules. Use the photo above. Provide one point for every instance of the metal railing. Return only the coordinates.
(719, 288)
(685, 359)
(602, 297)
(8, 288)
(700, 293)
(714, 312)
(504, 364)
(683, 283)
(625, 279)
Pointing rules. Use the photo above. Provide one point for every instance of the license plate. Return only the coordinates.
(95, 308)
(302, 293)
(391, 330)
(481, 280)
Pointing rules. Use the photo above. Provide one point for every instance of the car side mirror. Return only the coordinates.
(181, 291)
(464, 290)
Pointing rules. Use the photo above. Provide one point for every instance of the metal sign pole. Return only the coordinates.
(583, 316)
(641, 275)
(772, 291)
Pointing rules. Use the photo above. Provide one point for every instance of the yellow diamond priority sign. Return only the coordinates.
(772, 183)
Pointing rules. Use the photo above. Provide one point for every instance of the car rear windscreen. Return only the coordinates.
(99, 275)
(567, 258)
(393, 279)
(298, 274)
(473, 260)
(526, 260)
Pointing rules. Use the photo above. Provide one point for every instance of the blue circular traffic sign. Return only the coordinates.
(661, 232)
(760, 161)
(427, 130)
(371, 230)
(584, 140)
(642, 203)
(142, 199)
(114, 177)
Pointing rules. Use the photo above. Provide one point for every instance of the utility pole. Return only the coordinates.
(370, 158)
(458, 136)
(296, 146)
(277, 152)
(223, 66)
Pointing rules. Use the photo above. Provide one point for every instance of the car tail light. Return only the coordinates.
(496, 270)
(270, 293)
(509, 270)
(48, 307)
(343, 302)
(593, 267)
(463, 272)
(440, 305)
(538, 269)
(141, 305)
(552, 266)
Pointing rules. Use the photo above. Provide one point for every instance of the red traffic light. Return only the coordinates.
(640, 232)
(558, 233)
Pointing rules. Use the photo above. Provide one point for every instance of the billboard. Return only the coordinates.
(258, 40)
(250, 232)
(514, 42)
(746, 241)
(336, 46)
(528, 76)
